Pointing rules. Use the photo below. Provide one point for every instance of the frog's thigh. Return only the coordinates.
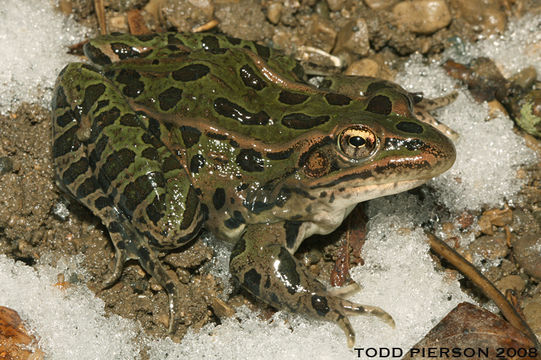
(263, 266)
(76, 176)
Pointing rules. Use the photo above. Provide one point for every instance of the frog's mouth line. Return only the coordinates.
(354, 195)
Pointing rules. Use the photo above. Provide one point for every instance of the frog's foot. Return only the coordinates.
(266, 269)
(346, 290)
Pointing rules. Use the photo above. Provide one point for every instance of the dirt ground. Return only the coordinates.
(33, 216)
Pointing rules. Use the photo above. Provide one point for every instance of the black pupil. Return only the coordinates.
(356, 141)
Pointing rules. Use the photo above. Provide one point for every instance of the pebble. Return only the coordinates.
(6, 165)
(322, 33)
(363, 67)
(274, 12)
(489, 247)
(532, 313)
(513, 282)
(485, 14)
(353, 37)
(527, 252)
(379, 4)
(422, 16)
(335, 5)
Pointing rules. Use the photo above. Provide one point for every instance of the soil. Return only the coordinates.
(33, 217)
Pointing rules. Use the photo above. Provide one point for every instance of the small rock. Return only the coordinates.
(422, 16)
(335, 5)
(513, 282)
(6, 165)
(379, 4)
(321, 33)
(527, 252)
(274, 12)
(15, 341)
(354, 38)
(532, 313)
(363, 67)
(221, 308)
(186, 15)
(489, 247)
(485, 14)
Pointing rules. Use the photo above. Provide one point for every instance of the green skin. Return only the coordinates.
(167, 134)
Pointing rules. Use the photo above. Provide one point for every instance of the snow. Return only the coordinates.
(398, 275)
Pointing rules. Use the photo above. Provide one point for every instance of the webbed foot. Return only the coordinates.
(268, 271)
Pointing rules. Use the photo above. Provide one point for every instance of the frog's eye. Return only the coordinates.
(357, 142)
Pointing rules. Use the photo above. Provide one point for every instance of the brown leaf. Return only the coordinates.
(15, 342)
(469, 331)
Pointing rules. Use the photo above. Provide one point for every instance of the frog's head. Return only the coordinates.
(373, 156)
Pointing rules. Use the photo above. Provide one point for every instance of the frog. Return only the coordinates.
(165, 136)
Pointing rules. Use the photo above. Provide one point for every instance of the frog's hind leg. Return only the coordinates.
(79, 135)
(263, 266)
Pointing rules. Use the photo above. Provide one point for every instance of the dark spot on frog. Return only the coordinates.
(87, 188)
(308, 209)
(59, 99)
(234, 111)
(151, 140)
(409, 127)
(150, 153)
(172, 48)
(121, 245)
(190, 136)
(190, 212)
(137, 191)
(235, 221)
(337, 99)
(95, 154)
(242, 187)
(274, 298)
(67, 142)
(234, 143)
(129, 120)
(301, 121)
(101, 105)
(319, 303)
(115, 163)
(218, 199)
(322, 194)
(380, 104)
(92, 93)
(197, 163)
(65, 119)
(130, 78)
(250, 78)
(170, 163)
(210, 42)
(252, 280)
(279, 155)
(331, 199)
(267, 283)
(146, 37)
(173, 40)
(290, 98)
(216, 136)
(75, 170)
(96, 55)
(102, 202)
(298, 70)
(155, 210)
(250, 160)
(292, 231)
(124, 51)
(155, 62)
(233, 40)
(287, 268)
(238, 249)
(190, 72)
(342, 189)
(169, 98)
(144, 256)
(262, 51)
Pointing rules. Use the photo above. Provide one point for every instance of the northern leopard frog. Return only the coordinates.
(164, 135)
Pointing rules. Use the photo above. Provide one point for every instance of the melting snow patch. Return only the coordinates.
(34, 39)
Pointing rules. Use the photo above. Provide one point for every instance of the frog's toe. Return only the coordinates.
(349, 289)
(120, 259)
(351, 308)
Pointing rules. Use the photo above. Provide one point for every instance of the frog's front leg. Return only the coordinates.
(262, 265)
